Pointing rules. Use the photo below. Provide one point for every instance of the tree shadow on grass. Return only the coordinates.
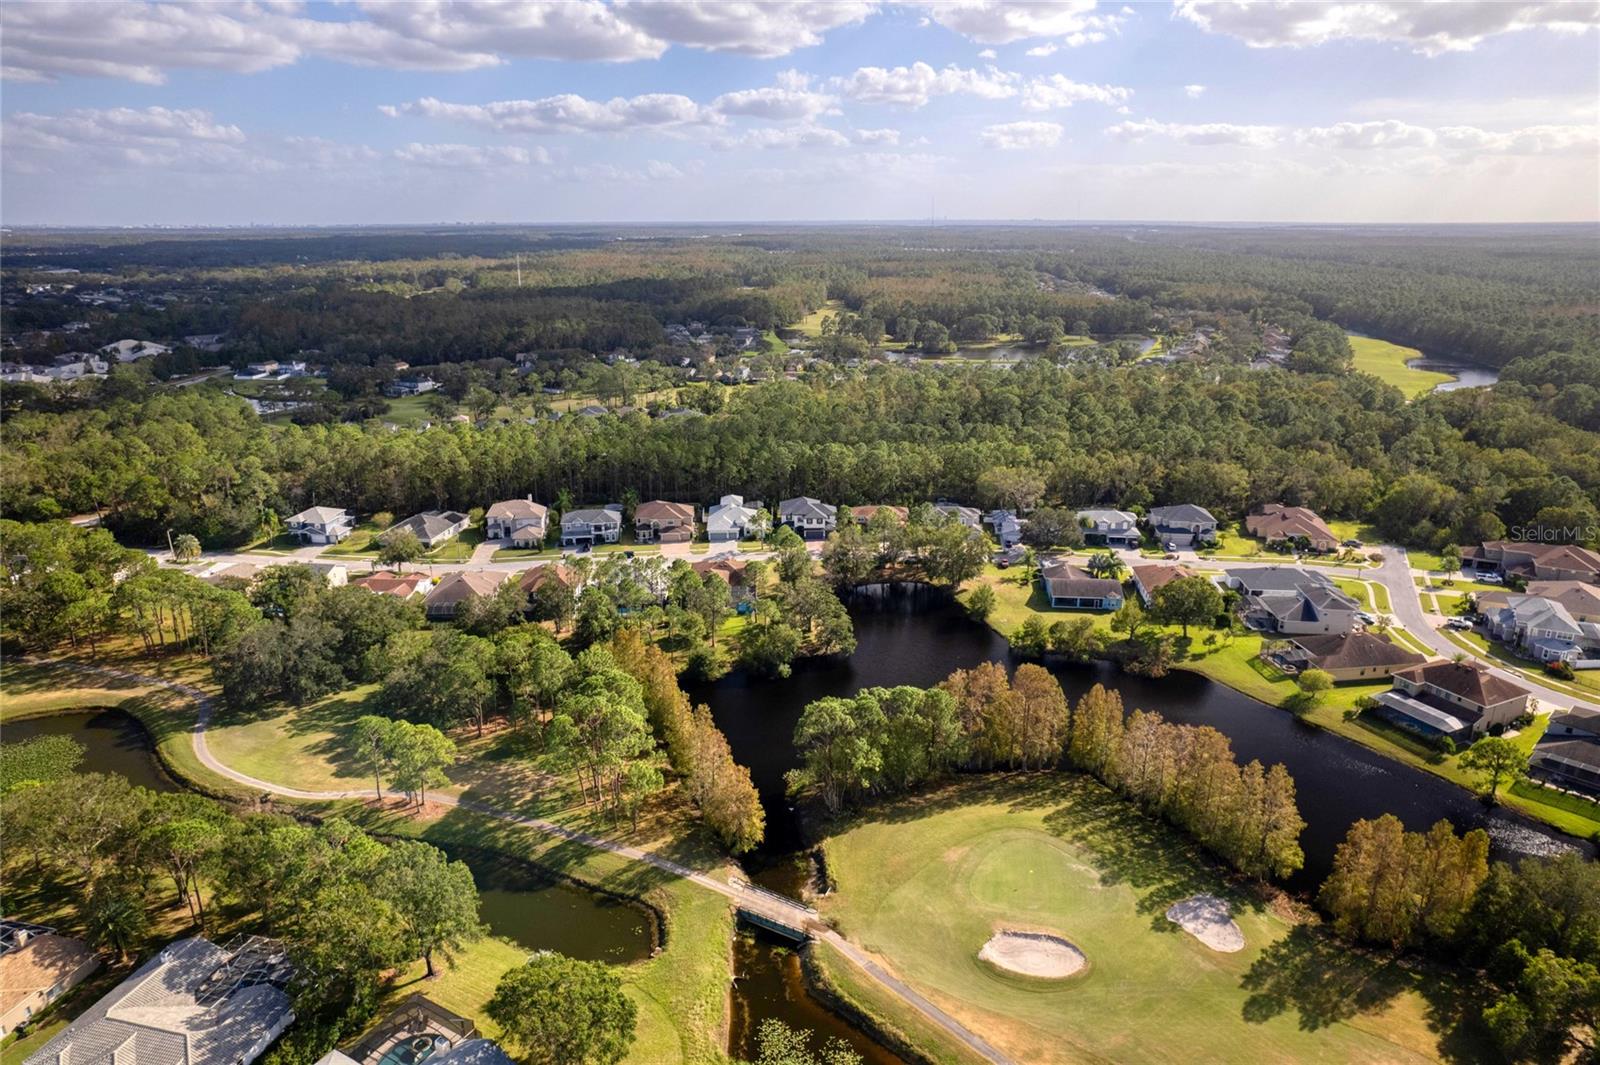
(1328, 981)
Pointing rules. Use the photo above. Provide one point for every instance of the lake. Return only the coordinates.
(114, 741)
(912, 634)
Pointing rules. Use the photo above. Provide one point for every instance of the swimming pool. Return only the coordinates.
(413, 1050)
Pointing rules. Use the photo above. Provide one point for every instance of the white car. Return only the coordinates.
(1461, 624)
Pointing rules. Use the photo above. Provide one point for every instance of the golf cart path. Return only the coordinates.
(745, 896)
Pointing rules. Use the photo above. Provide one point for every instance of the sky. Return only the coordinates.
(280, 113)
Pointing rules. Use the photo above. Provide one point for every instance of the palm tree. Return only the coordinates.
(186, 548)
(1107, 565)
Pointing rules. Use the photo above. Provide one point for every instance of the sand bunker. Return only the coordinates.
(1209, 920)
(1035, 954)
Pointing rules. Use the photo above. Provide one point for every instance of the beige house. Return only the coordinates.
(37, 967)
(1462, 700)
(660, 521)
(445, 600)
(1275, 523)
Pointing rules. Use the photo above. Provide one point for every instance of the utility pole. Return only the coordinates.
(519, 269)
(173, 550)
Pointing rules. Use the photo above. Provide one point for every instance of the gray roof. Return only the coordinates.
(1184, 512)
(1278, 579)
(806, 507)
(593, 516)
(730, 515)
(430, 523)
(1107, 517)
(168, 1013)
(318, 516)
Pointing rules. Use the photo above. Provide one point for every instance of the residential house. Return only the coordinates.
(971, 517)
(592, 525)
(451, 1039)
(1149, 577)
(731, 519)
(321, 525)
(1007, 527)
(865, 514)
(447, 597)
(335, 574)
(1568, 754)
(1460, 700)
(1581, 600)
(399, 585)
(1275, 524)
(194, 1003)
(533, 579)
(659, 521)
(1546, 631)
(1109, 528)
(37, 966)
(1347, 656)
(1529, 561)
(811, 518)
(1182, 525)
(518, 522)
(220, 572)
(409, 386)
(431, 527)
(133, 350)
(1292, 602)
(1070, 588)
(734, 571)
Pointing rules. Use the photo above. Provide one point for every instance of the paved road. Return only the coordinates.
(745, 896)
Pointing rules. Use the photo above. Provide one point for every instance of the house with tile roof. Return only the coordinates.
(399, 585)
(662, 522)
(448, 596)
(1276, 524)
(1149, 577)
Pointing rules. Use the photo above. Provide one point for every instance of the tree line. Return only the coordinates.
(892, 740)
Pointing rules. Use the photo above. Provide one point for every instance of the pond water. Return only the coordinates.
(908, 634)
(769, 982)
(533, 909)
(114, 741)
(1466, 374)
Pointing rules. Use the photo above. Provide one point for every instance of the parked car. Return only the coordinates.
(1460, 624)
(1366, 618)
(1352, 543)
(1487, 578)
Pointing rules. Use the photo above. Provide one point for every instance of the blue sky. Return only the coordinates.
(120, 113)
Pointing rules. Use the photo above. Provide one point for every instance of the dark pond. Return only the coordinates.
(1466, 374)
(908, 634)
(533, 909)
(113, 740)
(769, 982)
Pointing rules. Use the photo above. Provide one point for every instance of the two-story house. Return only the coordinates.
(1568, 754)
(1182, 525)
(1544, 630)
(1545, 562)
(659, 521)
(1292, 602)
(591, 525)
(1109, 528)
(1007, 527)
(971, 517)
(518, 522)
(1461, 700)
(811, 518)
(731, 518)
(320, 525)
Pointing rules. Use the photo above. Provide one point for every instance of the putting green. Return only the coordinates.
(929, 881)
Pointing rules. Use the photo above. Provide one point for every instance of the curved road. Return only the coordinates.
(745, 896)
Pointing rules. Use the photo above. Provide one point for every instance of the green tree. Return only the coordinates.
(1497, 760)
(116, 917)
(838, 741)
(433, 898)
(555, 1010)
(1186, 601)
(1314, 683)
(374, 741)
(981, 603)
(186, 548)
(398, 548)
(1106, 565)
(421, 755)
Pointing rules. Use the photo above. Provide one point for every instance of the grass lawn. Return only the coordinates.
(1585, 810)
(1231, 543)
(811, 324)
(1360, 591)
(457, 549)
(361, 543)
(1387, 362)
(525, 554)
(281, 544)
(1355, 530)
(924, 882)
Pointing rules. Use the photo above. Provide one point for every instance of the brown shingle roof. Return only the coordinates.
(1469, 680)
(663, 511)
(1274, 521)
(867, 512)
(1151, 577)
(534, 578)
(462, 585)
(38, 965)
(396, 584)
(1355, 650)
(731, 570)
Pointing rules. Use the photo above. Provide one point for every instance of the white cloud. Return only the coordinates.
(1043, 51)
(1194, 92)
(1366, 135)
(768, 29)
(988, 53)
(324, 154)
(1005, 21)
(469, 156)
(876, 136)
(915, 85)
(1204, 133)
(1058, 90)
(1427, 28)
(142, 41)
(787, 137)
(1391, 134)
(125, 136)
(568, 113)
(1017, 136)
(776, 104)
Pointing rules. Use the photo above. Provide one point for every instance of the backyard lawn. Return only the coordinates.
(924, 882)
(1387, 362)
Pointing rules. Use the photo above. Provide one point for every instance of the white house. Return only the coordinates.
(133, 350)
(321, 525)
(731, 519)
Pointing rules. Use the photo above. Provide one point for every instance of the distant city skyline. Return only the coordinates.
(129, 113)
